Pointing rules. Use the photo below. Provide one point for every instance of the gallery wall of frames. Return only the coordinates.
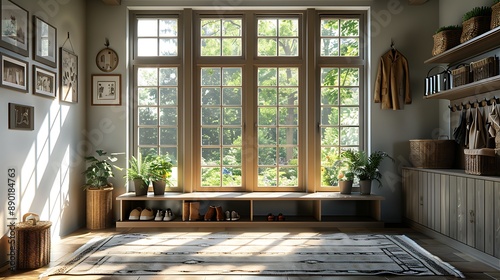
(54, 70)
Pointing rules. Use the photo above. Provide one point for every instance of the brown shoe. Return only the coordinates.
(220, 213)
(194, 211)
(210, 213)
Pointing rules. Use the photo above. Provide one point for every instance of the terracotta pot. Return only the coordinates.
(159, 187)
(140, 187)
(345, 187)
(99, 208)
(365, 187)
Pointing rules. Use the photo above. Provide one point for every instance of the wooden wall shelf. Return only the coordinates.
(476, 46)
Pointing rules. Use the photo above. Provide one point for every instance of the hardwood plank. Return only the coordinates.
(453, 207)
(471, 212)
(479, 215)
(437, 202)
(445, 204)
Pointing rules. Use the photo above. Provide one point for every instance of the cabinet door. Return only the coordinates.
(497, 219)
(445, 204)
(489, 217)
(462, 217)
(479, 215)
(453, 210)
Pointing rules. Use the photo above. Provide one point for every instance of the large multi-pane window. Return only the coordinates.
(243, 90)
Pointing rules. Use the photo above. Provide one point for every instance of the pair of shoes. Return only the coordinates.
(169, 215)
(232, 216)
(135, 214)
(214, 211)
(146, 214)
(271, 217)
(159, 216)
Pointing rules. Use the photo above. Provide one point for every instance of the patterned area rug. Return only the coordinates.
(252, 254)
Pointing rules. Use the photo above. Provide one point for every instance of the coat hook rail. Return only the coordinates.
(475, 104)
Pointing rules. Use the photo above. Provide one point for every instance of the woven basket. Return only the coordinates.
(482, 162)
(99, 208)
(495, 16)
(32, 244)
(461, 76)
(484, 68)
(446, 40)
(428, 153)
(474, 27)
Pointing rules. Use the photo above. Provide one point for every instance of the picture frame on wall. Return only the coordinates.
(14, 28)
(44, 82)
(21, 117)
(45, 43)
(14, 73)
(106, 90)
(68, 76)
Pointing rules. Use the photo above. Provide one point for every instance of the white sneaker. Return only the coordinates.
(169, 215)
(159, 215)
(235, 216)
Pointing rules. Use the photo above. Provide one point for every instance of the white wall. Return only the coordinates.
(47, 160)
(411, 28)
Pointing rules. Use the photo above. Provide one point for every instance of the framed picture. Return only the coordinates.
(21, 117)
(45, 45)
(14, 28)
(14, 73)
(44, 82)
(68, 89)
(106, 90)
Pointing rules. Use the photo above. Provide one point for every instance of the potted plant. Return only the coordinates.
(475, 22)
(365, 167)
(138, 174)
(160, 170)
(345, 167)
(99, 190)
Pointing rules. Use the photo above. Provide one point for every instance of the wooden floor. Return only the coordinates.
(469, 266)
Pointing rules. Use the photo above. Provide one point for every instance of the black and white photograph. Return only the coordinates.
(45, 44)
(14, 28)
(21, 117)
(44, 82)
(68, 76)
(14, 73)
(106, 90)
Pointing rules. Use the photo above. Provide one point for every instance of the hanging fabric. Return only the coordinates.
(477, 132)
(392, 84)
(461, 130)
(494, 120)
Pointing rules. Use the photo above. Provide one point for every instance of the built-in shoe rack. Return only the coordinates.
(321, 209)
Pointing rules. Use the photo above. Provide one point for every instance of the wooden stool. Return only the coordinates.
(32, 242)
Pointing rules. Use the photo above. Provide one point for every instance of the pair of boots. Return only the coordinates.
(191, 211)
(214, 211)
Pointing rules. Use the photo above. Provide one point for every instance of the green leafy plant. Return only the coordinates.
(449, 27)
(139, 168)
(477, 12)
(495, 2)
(160, 168)
(364, 166)
(99, 170)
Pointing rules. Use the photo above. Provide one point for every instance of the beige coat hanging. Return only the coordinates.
(477, 132)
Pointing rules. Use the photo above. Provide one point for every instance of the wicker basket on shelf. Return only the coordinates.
(430, 153)
(482, 162)
(461, 75)
(495, 15)
(474, 27)
(445, 40)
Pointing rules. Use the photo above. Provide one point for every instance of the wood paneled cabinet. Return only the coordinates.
(463, 207)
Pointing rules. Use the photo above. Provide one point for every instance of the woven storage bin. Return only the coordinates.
(428, 153)
(495, 16)
(482, 162)
(446, 40)
(32, 244)
(484, 68)
(99, 208)
(461, 75)
(474, 27)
